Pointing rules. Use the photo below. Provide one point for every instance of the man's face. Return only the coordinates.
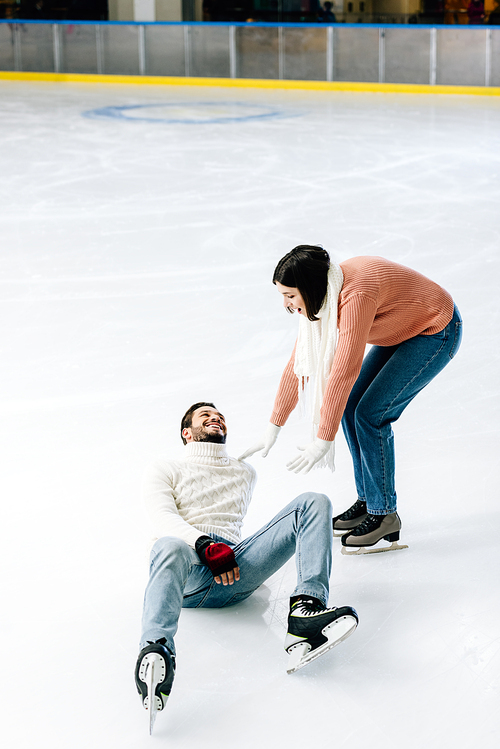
(207, 425)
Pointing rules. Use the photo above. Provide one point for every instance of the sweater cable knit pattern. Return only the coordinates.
(205, 493)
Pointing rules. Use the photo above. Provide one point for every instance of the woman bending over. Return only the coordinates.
(415, 330)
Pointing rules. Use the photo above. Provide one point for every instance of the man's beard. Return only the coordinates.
(200, 434)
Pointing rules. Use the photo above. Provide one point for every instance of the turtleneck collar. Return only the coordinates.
(206, 452)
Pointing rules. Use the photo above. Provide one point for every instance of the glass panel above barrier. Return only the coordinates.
(407, 55)
(37, 47)
(120, 49)
(467, 56)
(7, 46)
(461, 59)
(164, 50)
(355, 54)
(304, 54)
(209, 51)
(78, 48)
(495, 58)
(257, 52)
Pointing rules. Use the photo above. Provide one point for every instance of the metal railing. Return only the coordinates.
(456, 55)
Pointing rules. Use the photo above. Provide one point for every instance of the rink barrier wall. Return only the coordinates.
(401, 88)
(363, 57)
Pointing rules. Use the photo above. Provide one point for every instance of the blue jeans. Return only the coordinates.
(179, 579)
(391, 376)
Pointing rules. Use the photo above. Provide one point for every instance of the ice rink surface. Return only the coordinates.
(140, 227)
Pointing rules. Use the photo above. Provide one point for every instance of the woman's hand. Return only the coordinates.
(265, 443)
(312, 453)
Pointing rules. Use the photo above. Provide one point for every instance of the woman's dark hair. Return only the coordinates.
(305, 268)
(187, 419)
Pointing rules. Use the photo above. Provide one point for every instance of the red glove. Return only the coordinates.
(218, 557)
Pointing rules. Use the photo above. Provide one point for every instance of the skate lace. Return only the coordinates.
(370, 523)
(353, 511)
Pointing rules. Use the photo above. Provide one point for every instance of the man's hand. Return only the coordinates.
(228, 578)
(220, 559)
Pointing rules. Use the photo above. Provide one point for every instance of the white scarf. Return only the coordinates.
(316, 344)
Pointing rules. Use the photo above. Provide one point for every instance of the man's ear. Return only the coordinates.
(186, 433)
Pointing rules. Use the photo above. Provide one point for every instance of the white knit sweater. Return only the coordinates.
(204, 493)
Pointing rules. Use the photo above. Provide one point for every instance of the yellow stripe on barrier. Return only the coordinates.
(401, 88)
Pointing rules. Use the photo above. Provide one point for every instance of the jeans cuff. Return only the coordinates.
(381, 512)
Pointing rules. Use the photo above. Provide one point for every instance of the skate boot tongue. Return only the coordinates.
(306, 607)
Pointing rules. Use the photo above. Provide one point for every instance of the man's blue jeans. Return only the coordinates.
(179, 579)
(391, 376)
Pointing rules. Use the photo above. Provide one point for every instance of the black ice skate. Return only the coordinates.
(375, 529)
(154, 674)
(314, 629)
(350, 518)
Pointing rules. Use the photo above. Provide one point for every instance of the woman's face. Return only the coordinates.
(291, 298)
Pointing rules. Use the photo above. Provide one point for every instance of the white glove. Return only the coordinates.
(313, 452)
(265, 443)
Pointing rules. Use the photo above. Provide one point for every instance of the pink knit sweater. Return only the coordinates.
(382, 303)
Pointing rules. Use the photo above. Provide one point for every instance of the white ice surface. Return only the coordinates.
(136, 268)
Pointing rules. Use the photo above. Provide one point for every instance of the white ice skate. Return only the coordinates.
(314, 629)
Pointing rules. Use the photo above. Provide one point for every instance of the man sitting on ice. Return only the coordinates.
(197, 505)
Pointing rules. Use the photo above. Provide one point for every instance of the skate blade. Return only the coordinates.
(354, 550)
(152, 673)
(339, 534)
(338, 631)
(296, 655)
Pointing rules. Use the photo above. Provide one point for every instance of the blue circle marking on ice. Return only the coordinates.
(190, 113)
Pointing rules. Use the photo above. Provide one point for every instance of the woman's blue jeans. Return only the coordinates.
(391, 376)
(179, 579)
